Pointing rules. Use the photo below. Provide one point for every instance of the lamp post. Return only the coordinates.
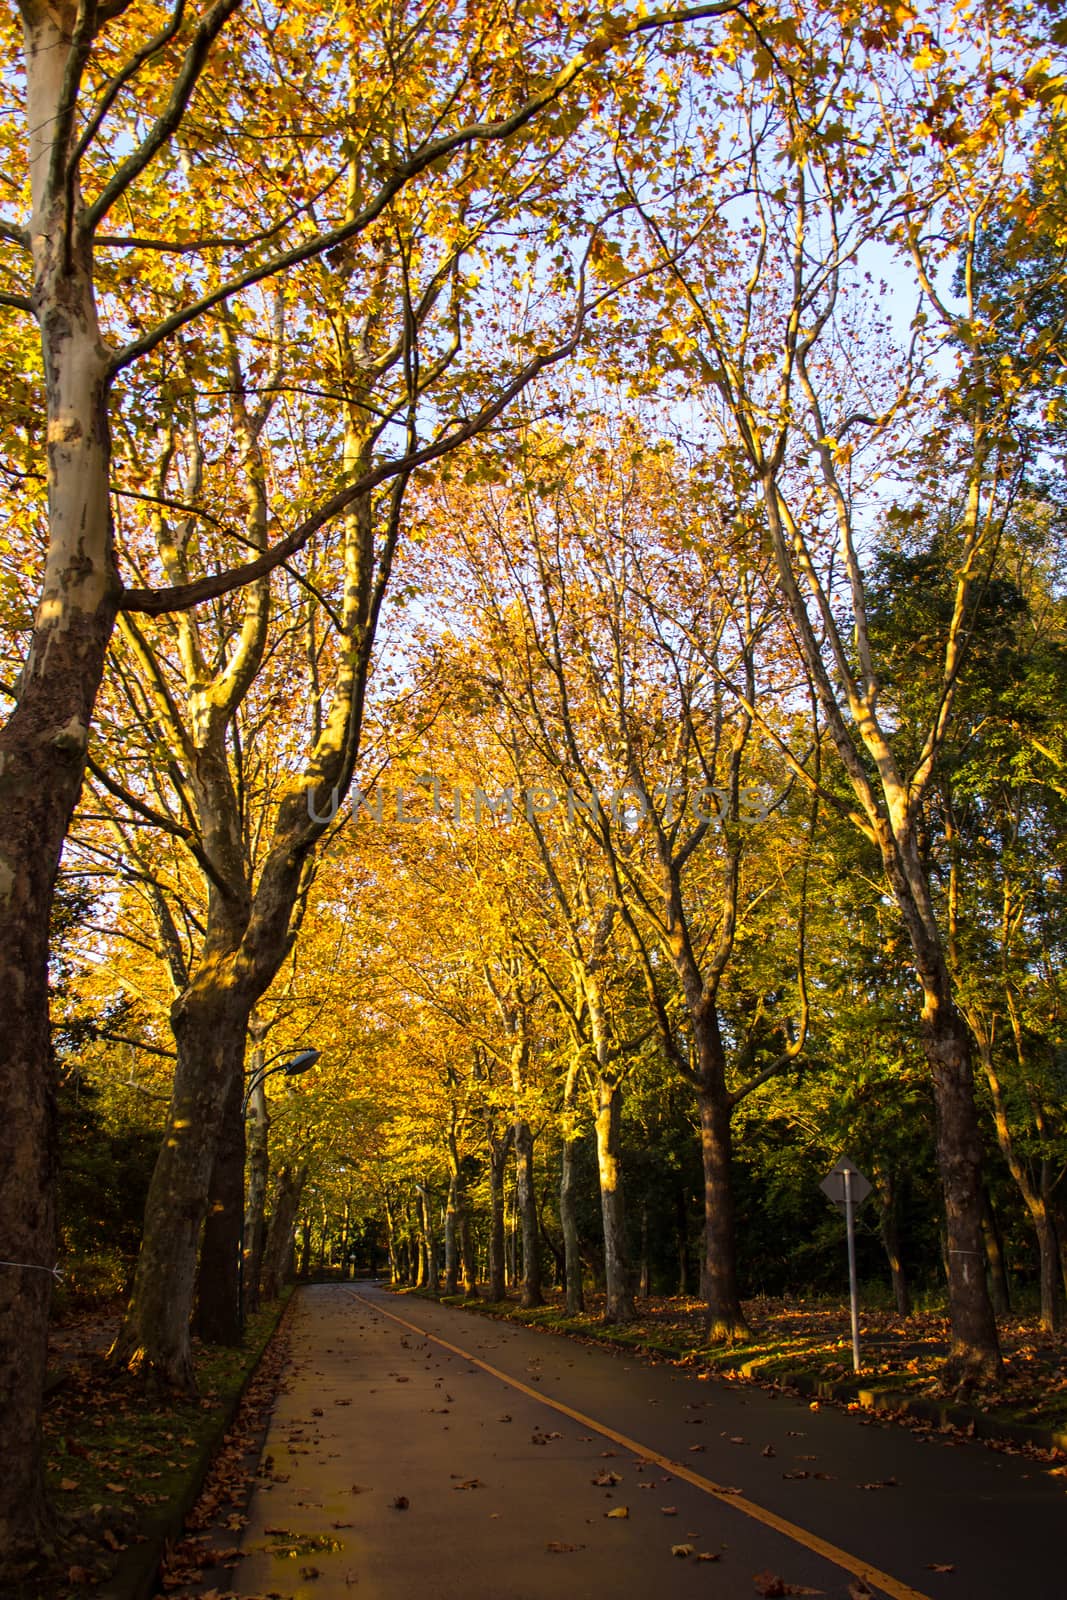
(293, 1067)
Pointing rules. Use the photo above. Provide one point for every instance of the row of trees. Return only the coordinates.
(250, 326)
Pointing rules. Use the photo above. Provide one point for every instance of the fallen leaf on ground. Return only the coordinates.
(941, 1566)
(669, 1511)
(771, 1585)
(681, 1550)
(618, 1511)
(604, 1480)
(558, 1548)
(401, 1502)
(768, 1584)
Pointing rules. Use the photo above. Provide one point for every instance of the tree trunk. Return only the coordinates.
(42, 761)
(278, 1252)
(498, 1155)
(568, 1216)
(619, 1303)
(218, 1317)
(451, 1236)
(885, 1188)
(994, 1254)
(644, 1280)
(725, 1320)
(681, 1212)
(430, 1238)
(1036, 1199)
(1049, 1258)
(210, 1030)
(467, 1255)
(255, 1239)
(526, 1205)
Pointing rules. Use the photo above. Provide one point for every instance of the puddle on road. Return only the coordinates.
(292, 1545)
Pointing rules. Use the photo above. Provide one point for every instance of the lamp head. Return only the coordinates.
(301, 1062)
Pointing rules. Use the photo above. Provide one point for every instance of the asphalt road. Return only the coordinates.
(397, 1467)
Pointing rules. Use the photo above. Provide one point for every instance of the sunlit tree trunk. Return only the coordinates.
(451, 1236)
(619, 1303)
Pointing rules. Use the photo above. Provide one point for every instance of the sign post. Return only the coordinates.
(847, 1188)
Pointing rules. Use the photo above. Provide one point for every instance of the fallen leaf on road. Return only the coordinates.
(697, 1447)
(768, 1584)
(681, 1550)
(940, 1566)
(558, 1548)
(604, 1480)
(858, 1590)
(401, 1502)
(771, 1585)
(882, 1483)
(469, 1483)
(768, 1450)
(709, 1555)
(669, 1511)
(618, 1511)
(800, 1473)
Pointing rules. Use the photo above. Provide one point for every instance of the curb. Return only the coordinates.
(136, 1573)
(941, 1413)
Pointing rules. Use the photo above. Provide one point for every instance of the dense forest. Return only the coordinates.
(535, 664)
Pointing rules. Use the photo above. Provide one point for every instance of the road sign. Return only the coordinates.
(833, 1184)
(846, 1187)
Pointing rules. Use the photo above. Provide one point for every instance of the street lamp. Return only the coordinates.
(292, 1068)
(301, 1062)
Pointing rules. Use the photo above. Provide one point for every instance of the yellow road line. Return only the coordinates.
(770, 1519)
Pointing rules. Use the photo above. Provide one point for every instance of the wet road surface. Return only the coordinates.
(398, 1466)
